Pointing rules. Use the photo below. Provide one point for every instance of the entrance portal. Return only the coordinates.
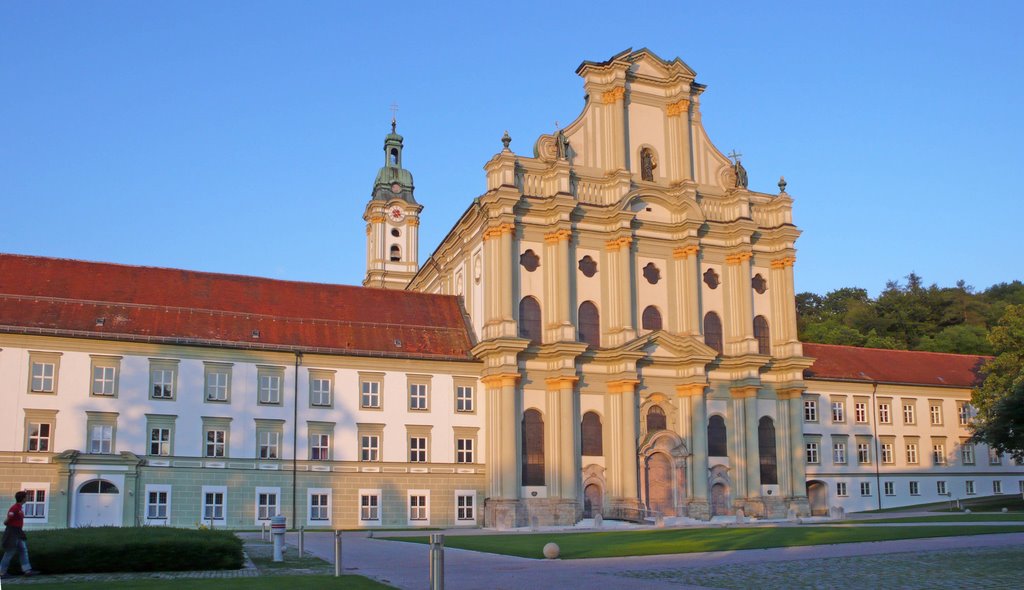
(592, 500)
(719, 500)
(98, 504)
(659, 484)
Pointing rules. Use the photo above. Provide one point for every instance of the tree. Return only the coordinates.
(1000, 398)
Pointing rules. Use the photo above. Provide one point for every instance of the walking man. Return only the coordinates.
(14, 540)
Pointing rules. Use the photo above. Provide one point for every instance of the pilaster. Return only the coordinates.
(558, 273)
(692, 395)
(739, 321)
(620, 292)
(500, 317)
(783, 301)
(621, 456)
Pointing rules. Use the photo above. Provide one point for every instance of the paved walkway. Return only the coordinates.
(405, 565)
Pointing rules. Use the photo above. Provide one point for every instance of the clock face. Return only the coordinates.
(396, 188)
(396, 213)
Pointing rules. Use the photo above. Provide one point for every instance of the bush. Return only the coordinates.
(142, 549)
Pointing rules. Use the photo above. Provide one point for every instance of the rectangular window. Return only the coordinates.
(216, 442)
(266, 505)
(370, 396)
(320, 447)
(887, 453)
(417, 396)
(103, 379)
(464, 506)
(39, 437)
(270, 444)
(464, 450)
(163, 375)
(969, 487)
(841, 489)
(321, 388)
(940, 488)
(883, 414)
(160, 441)
(369, 447)
(417, 449)
(101, 439)
(417, 507)
(464, 399)
(935, 411)
(319, 507)
(839, 453)
(812, 453)
(1020, 486)
(939, 453)
(268, 383)
(44, 368)
(369, 507)
(963, 411)
(889, 488)
(217, 380)
(912, 453)
(810, 410)
(865, 488)
(35, 504)
(838, 411)
(860, 412)
(994, 457)
(156, 505)
(997, 487)
(908, 414)
(915, 489)
(863, 453)
(967, 453)
(213, 506)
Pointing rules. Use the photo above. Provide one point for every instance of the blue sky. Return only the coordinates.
(244, 137)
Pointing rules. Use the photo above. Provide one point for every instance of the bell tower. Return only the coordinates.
(392, 222)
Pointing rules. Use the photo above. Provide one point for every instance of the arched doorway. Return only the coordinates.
(659, 484)
(98, 504)
(719, 499)
(593, 500)
(817, 497)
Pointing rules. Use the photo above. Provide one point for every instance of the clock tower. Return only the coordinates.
(392, 222)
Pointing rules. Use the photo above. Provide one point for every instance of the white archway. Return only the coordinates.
(98, 502)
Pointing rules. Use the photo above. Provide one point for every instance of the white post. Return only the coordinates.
(277, 527)
(436, 562)
(337, 554)
(302, 541)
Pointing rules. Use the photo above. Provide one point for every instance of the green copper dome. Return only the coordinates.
(393, 181)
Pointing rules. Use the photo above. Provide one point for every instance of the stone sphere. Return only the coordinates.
(1005, 510)
(967, 510)
(551, 551)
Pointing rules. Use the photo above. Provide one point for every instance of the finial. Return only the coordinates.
(394, 116)
(735, 157)
(505, 140)
(782, 184)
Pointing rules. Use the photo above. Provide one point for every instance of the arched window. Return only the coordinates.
(655, 419)
(717, 446)
(766, 450)
(529, 319)
(533, 448)
(394, 156)
(764, 344)
(651, 318)
(396, 253)
(590, 432)
(98, 486)
(713, 331)
(590, 325)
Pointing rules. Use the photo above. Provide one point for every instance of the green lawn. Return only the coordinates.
(348, 582)
(1012, 502)
(662, 542)
(960, 517)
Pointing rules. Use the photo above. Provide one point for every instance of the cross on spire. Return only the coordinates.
(735, 157)
(394, 115)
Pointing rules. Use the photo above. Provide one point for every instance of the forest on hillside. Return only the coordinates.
(908, 315)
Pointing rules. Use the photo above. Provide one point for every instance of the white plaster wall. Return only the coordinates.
(646, 126)
(711, 299)
(648, 294)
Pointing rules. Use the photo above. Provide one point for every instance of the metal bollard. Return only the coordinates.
(302, 541)
(337, 554)
(436, 562)
(263, 532)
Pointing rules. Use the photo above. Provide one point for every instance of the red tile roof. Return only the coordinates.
(70, 297)
(850, 363)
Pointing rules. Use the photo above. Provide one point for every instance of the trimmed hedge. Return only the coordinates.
(141, 549)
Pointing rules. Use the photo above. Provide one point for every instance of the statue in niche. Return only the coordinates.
(647, 164)
(562, 144)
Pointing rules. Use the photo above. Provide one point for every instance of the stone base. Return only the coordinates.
(800, 503)
(698, 510)
(772, 507)
(500, 514)
(531, 512)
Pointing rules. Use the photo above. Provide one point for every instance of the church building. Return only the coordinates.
(610, 328)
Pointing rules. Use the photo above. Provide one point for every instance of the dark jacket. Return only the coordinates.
(12, 535)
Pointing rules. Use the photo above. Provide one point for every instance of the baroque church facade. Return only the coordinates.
(609, 328)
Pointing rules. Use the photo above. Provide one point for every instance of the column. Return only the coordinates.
(557, 309)
(797, 470)
(685, 318)
(564, 444)
(739, 319)
(783, 301)
(693, 395)
(615, 139)
(622, 395)
(753, 455)
(678, 141)
(782, 447)
(499, 318)
(619, 302)
(737, 447)
(502, 425)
